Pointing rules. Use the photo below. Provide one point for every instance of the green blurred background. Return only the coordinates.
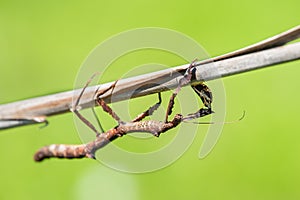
(42, 47)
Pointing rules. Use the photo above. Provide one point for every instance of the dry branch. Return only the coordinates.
(266, 53)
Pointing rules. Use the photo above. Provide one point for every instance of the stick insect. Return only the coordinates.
(136, 125)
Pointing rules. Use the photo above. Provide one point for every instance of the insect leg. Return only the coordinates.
(105, 106)
(204, 93)
(149, 111)
(183, 81)
(98, 121)
(75, 107)
(200, 113)
(206, 97)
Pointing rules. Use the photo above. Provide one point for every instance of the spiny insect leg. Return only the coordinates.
(149, 111)
(200, 113)
(206, 97)
(186, 79)
(204, 93)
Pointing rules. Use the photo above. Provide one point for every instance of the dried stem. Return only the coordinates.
(263, 54)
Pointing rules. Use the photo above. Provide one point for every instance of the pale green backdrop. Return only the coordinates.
(42, 45)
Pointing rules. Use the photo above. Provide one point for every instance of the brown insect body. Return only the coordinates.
(136, 125)
(89, 149)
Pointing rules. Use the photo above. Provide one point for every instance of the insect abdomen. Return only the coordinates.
(60, 151)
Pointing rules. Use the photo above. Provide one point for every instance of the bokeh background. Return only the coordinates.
(42, 47)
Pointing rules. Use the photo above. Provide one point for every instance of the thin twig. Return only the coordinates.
(260, 55)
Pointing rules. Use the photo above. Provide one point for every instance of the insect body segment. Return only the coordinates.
(136, 125)
(60, 151)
